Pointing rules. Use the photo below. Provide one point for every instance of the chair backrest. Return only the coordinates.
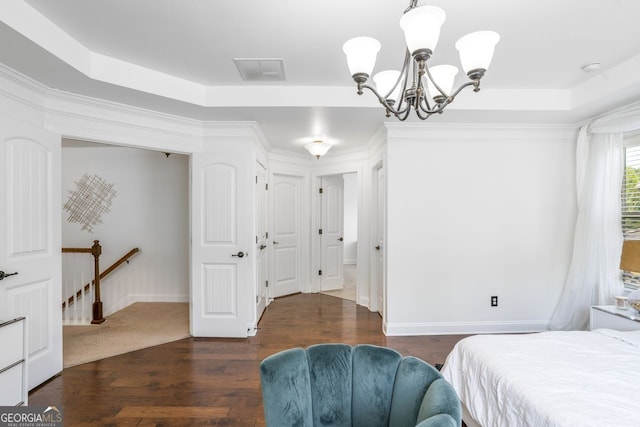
(363, 386)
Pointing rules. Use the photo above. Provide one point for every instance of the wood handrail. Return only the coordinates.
(77, 250)
(85, 288)
(117, 264)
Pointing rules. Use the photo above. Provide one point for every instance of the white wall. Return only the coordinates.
(149, 211)
(475, 212)
(350, 217)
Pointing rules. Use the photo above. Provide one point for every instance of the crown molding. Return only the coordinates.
(227, 129)
(82, 117)
(22, 89)
(98, 120)
(480, 132)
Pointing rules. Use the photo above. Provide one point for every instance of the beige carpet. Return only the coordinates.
(349, 289)
(140, 325)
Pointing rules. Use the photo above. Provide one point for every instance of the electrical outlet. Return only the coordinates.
(494, 301)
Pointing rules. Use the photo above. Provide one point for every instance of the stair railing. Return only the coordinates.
(78, 296)
(95, 252)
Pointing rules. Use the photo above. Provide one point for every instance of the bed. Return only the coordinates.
(574, 378)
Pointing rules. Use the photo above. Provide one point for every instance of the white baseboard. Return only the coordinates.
(463, 328)
(364, 301)
(252, 330)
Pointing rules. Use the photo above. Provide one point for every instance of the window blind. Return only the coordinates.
(631, 206)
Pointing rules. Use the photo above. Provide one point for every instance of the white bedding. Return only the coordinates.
(549, 378)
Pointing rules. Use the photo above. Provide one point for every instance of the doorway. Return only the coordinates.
(338, 206)
(150, 211)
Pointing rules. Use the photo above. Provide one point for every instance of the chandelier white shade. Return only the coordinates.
(361, 54)
(418, 86)
(443, 76)
(476, 49)
(386, 84)
(318, 148)
(421, 26)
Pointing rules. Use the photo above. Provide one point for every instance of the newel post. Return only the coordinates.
(96, 250)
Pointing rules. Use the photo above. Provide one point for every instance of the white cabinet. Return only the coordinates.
(610, 317)
(13, 363)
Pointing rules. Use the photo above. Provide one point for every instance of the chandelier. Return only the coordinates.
(401, 91)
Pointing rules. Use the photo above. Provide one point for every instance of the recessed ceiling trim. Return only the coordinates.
(27, 21)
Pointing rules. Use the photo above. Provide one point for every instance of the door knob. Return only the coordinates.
(3, 274)
(262, 246)
(378, 248)
(275, 243)
(239, 254)
(340, 238)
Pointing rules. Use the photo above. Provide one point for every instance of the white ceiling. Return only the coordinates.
(177, 57)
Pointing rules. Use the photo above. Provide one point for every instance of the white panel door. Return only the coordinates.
(30, 210)
(262, 254)
(287, 269)
(331, 239)
(221, 286)
(379, 241)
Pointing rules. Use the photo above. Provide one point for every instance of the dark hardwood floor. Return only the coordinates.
(210, 381)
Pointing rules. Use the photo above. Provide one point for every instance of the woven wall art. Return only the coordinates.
(91, 198)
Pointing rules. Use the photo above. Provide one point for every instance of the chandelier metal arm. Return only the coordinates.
(438, 108)
(385, 102)
(433, 81)
(404, 72)
(423, 97)
(420, 115)
(412, 4)
(420, 102)
(402, 115)
(403, 107)
(474, 83)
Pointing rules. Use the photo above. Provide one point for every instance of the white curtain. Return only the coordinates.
(594, 276)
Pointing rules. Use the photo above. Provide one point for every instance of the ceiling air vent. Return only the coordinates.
(261, 70)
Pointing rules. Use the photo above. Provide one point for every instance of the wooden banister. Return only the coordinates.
(117, 264)
(96, 251)
(78, 250)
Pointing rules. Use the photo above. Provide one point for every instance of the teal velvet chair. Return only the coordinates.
(362, 386)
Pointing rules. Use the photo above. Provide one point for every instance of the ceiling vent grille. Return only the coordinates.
(261, 69)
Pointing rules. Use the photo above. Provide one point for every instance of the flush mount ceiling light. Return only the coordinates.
(318, 148)
(401, 91)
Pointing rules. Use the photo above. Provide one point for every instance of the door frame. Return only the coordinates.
(253, 318)
(375, 268)
(363, 185)
(261, 224)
